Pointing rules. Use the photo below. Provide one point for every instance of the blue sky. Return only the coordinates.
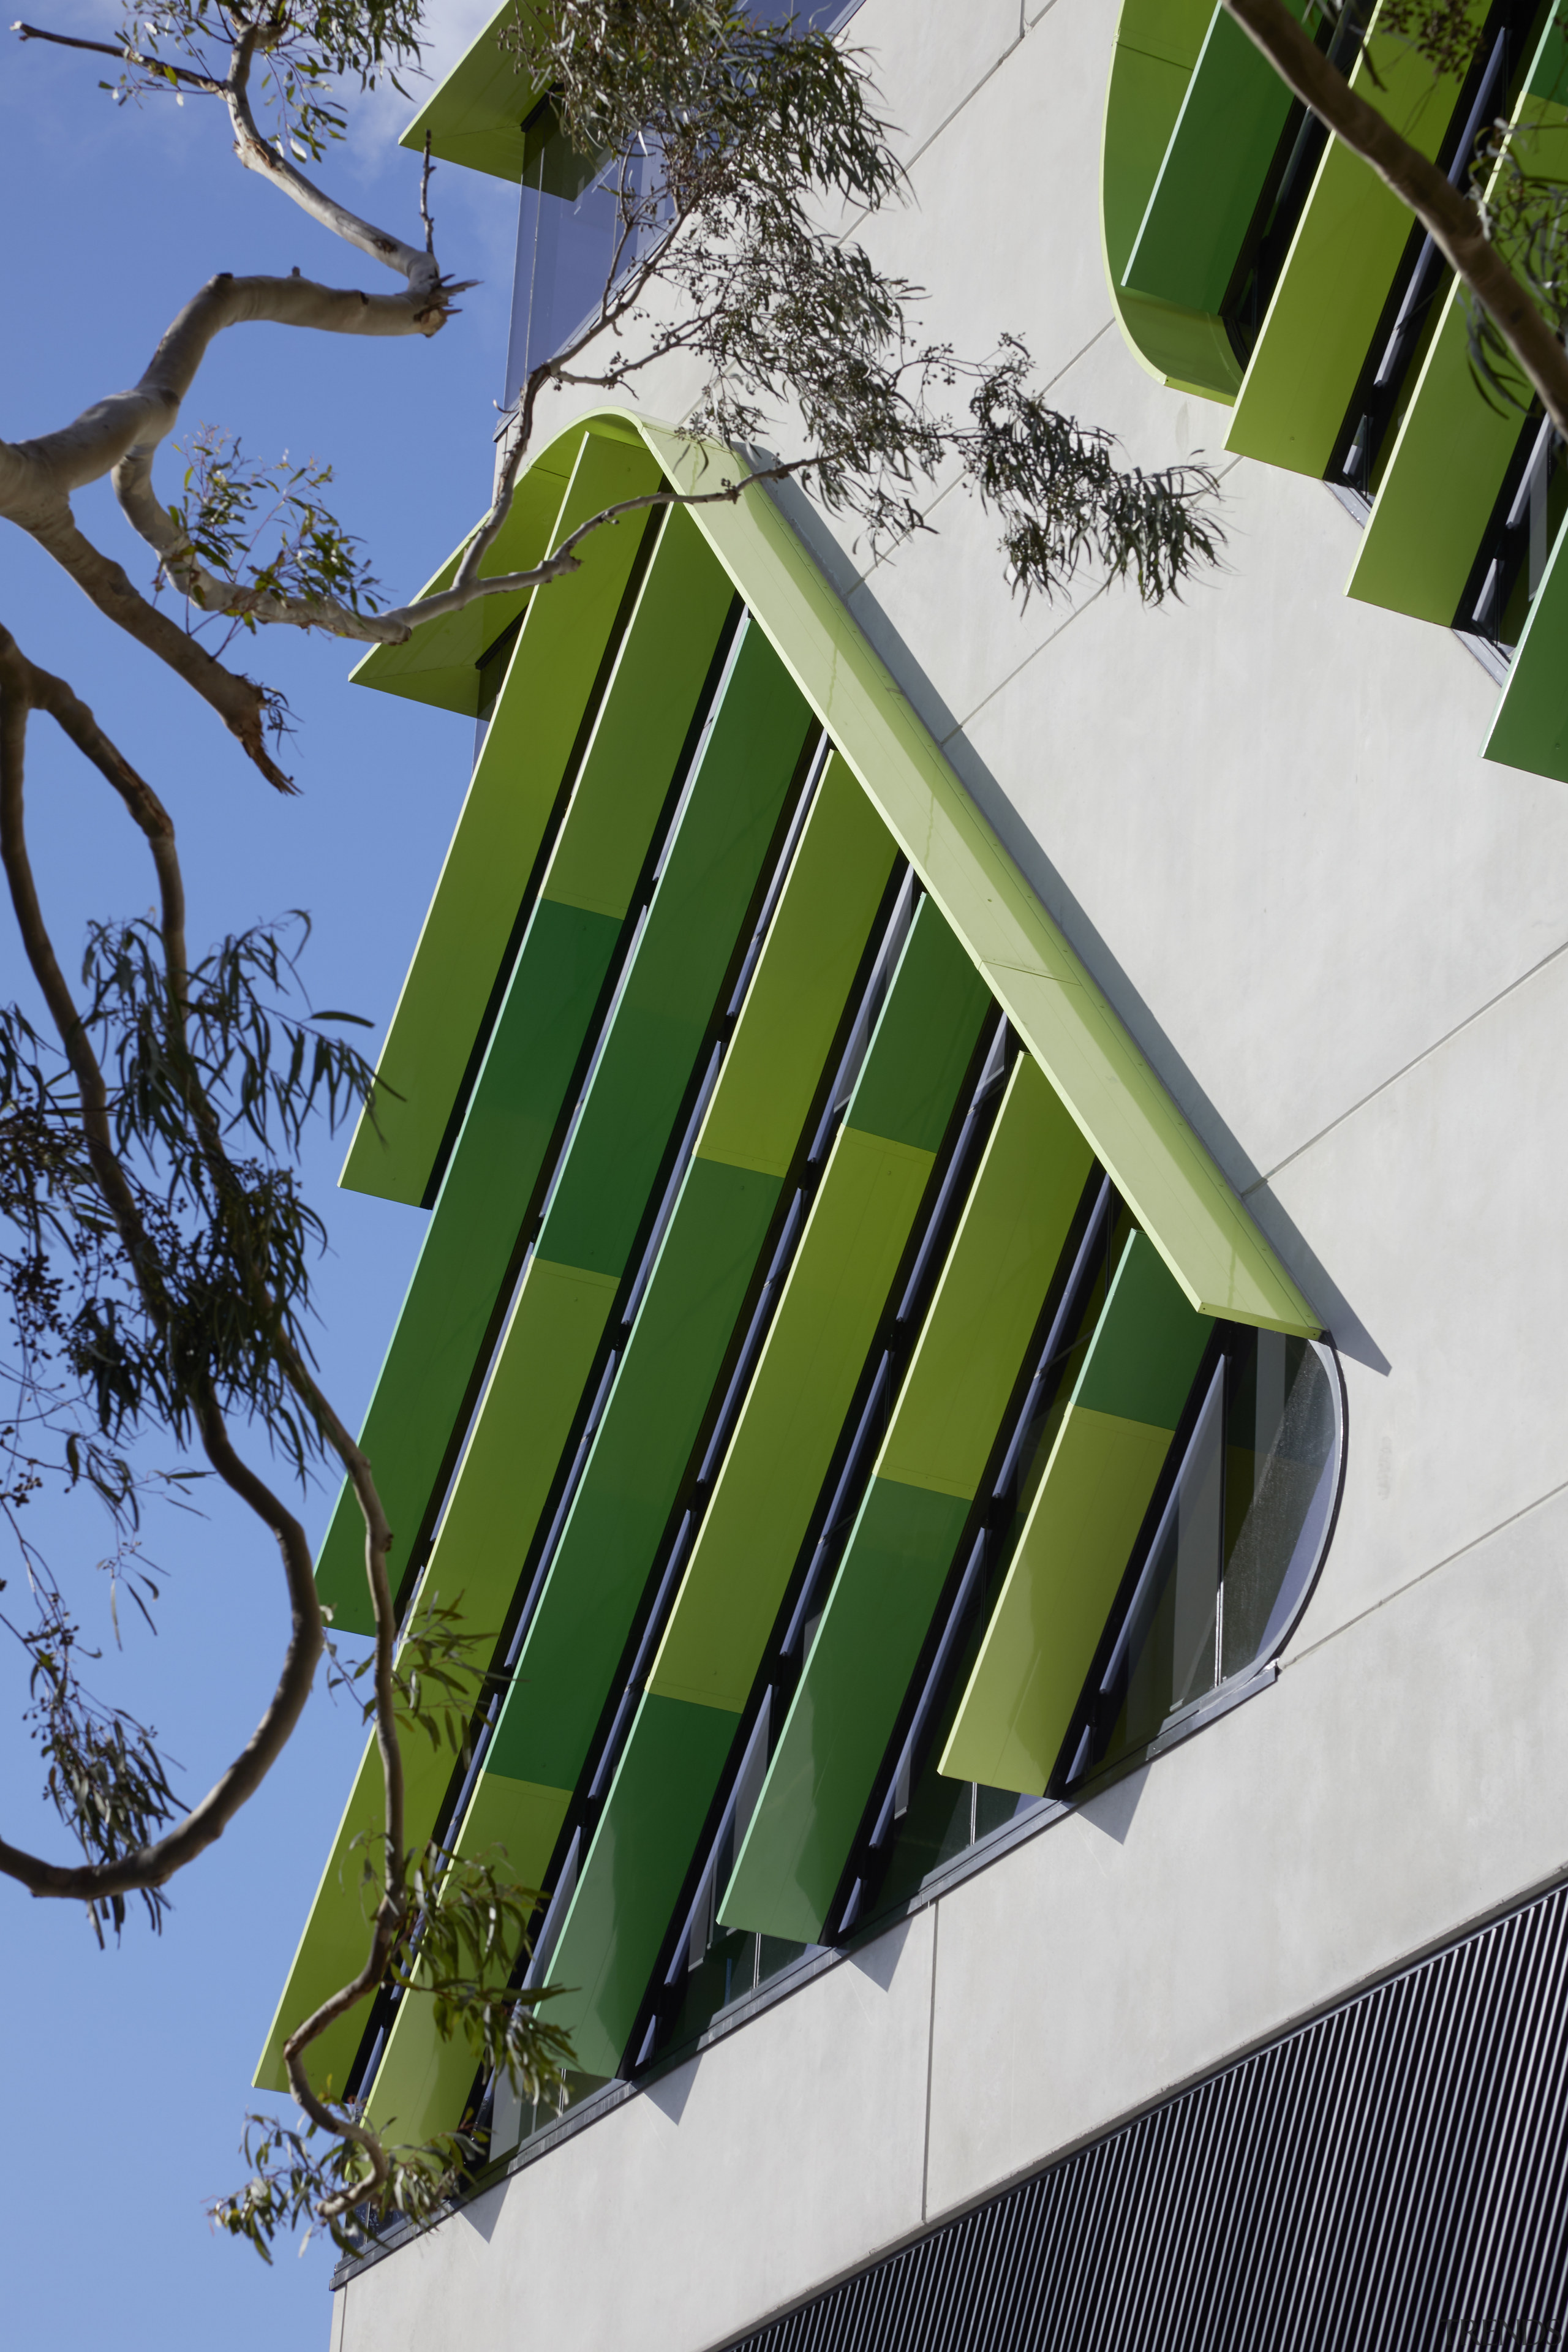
(125, 2074)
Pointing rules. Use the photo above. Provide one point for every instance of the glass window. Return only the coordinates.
(1235, 1546)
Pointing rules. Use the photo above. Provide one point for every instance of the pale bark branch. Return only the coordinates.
(22, 688)
(1449, 219)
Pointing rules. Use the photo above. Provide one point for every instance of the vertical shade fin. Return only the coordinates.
(1075, 1543)
(646, 714)
(772, 1471)
(559, 650)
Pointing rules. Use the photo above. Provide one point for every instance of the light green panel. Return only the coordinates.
(794, 1409)
(1200, 1227)
(1211, 180)
(423, 2080)
(1157, 45)
(476, 116)
(1342, 259)
(1156, 1163)
(1073, 1551)
(797, 993)
(439, 664)
(1531, 726)
(1451, 454)
(515, 786)
(1002, 1255)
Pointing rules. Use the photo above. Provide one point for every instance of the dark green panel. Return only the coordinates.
(584, 1615)
(1146, 1352)
(747, 764)
(842, 1715)
(1212, 178)
(632, 1880)
(924, 1039)
(473, 1230)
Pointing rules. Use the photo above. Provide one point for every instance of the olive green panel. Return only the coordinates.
(585, 1612)
(1531, 726)
(991, 1290)
(514, 1446)
(455, 1289)
(336, 1937)
(1342, 260)
(1452, 451)
(515, 786)
(924, 1036)
(1156, 1163)
(1074, 1547)
(1157, 44)
(711, 871)
(793, 1411)
(423, 2079)
(842, 1712)
(475, 117)
(632, 1877)
(1214, 170)
(798, 992)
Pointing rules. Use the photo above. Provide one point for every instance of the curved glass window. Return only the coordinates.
(1235, 1548)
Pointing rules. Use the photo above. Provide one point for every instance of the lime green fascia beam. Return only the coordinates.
(1452, 451)
(1232, 119)
(555, 664)
(1074, 1547)
(735, 1580)
(1192, 1216)
(650, 707)
(902, 1547)
(1169, 1181)
(1529, 727)
(476, 116)
(1343, 261)
(751, 1135)
(1157, 45)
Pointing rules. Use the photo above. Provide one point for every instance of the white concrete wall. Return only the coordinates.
(1338, 934)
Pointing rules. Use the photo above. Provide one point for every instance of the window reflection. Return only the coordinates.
(574, 214)
(1236, 1547)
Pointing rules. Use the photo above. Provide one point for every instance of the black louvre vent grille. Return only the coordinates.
(1391, 2176)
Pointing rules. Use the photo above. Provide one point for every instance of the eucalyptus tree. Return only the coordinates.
(159, 1245)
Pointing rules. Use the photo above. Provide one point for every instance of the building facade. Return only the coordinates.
(988, 1336)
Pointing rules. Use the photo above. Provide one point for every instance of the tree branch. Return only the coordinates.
(22, 688)
(1449, 219)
